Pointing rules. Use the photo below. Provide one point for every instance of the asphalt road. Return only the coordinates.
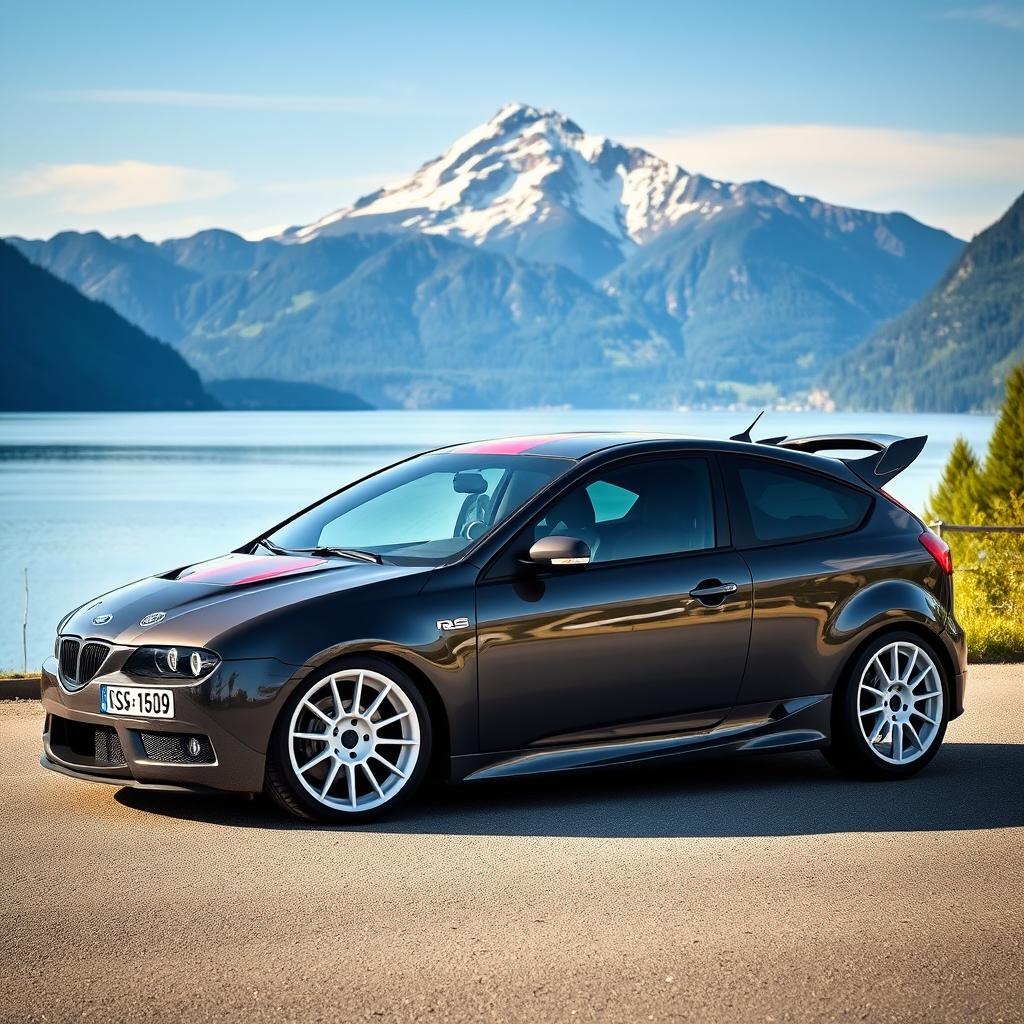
(767, 890)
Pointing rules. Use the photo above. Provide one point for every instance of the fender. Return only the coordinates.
(887, 603)
(403, 628)
(891, 604)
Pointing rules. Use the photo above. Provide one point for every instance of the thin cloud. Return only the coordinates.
(957, 180)
(232, 100)
(999, 15)
(127, 185)
(303, 186)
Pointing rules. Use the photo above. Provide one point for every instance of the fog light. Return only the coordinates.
(194, 748)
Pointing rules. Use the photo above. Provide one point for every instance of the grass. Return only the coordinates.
(991, 636)
(989, 587)
(12, 673)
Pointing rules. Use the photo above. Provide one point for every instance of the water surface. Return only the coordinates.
(94, 500)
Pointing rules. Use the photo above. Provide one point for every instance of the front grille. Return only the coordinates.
(69, 648)
(173, 747)
(80, 662)
(85, 744)
(92, 657)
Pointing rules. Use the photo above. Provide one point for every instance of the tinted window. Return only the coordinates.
(782, 503)
(659, 507)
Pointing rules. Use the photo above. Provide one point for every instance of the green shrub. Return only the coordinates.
(990, 566)
(990, 584)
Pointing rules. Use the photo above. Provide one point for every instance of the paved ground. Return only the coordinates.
(765, 890)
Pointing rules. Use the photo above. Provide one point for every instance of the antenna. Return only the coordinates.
(745, 436)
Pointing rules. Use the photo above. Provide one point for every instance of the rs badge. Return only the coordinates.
(447, 624)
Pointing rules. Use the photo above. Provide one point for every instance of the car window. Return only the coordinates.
(655, 507)
(611, 501)
(422, 511)
(784, 503)
(426, 508)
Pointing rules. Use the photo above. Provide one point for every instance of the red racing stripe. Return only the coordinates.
(234, 570)
(509, 445)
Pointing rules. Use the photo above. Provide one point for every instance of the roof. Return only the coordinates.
(566, 446)
(889, 455)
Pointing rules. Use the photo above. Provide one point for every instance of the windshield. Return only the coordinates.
(421, 512)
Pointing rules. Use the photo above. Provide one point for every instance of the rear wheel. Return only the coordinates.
(892, 710)
(350, 745)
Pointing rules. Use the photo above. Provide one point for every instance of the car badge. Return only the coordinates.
(101, 620)
(152, 618)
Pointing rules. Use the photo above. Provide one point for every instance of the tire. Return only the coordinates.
(370, 760)
(890, 714)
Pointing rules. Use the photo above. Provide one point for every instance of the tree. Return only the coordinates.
(959, 495)
(1004, 465)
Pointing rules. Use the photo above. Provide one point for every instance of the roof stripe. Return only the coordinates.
(509, 445)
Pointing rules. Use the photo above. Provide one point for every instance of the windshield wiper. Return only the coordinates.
(271, 546)
(362, 556)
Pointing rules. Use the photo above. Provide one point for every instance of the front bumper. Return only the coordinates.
(229, 715)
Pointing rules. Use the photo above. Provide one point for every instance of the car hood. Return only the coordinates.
(195, 603)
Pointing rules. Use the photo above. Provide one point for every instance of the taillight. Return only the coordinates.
(939, 550)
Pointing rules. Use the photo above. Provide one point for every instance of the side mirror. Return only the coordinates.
(555, 551)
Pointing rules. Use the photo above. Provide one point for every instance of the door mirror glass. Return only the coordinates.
(557, 550)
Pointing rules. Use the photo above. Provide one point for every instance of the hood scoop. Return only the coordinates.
(237, 570)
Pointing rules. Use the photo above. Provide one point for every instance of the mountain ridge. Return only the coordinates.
(530, 174)
(92, 358)
(589, 271)
(955, 348)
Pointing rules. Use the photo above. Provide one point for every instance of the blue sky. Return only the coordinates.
(164, 118)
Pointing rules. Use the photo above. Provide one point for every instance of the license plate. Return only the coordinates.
(137, 701)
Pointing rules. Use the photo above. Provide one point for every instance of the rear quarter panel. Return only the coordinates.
(817, 601)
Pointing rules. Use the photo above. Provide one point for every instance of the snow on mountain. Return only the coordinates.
(532, 183)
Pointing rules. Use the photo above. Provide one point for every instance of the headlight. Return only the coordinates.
(172, 662)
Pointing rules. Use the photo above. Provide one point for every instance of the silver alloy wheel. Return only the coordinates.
(354, 739)
(899, 702)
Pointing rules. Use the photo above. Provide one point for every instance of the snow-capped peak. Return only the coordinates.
(532, 182)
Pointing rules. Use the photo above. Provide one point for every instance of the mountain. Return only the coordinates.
(422, 321)
(530, 263)
(254, 393)
(128, 274)
(774, 287)
(531, 183)
(953, 351)
(215, 251)
(62, 351)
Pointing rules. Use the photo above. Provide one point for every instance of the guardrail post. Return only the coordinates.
(937, 527)
(24, 630)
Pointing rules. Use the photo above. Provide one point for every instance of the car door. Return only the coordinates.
(801, 533)
(649, 638)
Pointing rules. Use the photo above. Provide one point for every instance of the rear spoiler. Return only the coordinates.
(890, 455)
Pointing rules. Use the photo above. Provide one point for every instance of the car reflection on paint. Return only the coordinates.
(528, 605)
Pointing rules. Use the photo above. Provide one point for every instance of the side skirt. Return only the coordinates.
(799, 723)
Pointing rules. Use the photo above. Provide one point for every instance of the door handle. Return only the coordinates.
(712, 589)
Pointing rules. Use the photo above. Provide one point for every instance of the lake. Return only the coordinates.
(94, 500)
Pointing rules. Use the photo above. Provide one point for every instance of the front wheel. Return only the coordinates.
(892, 710)
(350, 745)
